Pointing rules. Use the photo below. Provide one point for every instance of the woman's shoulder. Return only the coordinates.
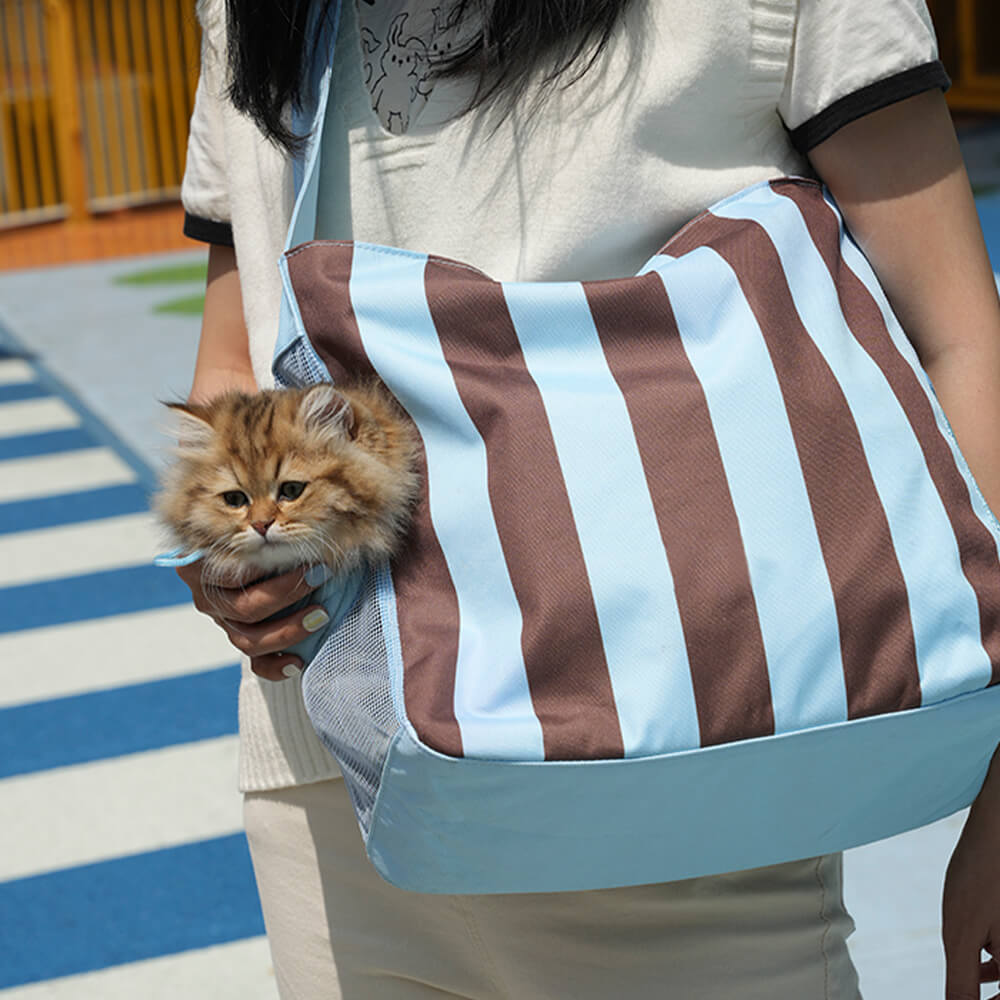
(211, 16)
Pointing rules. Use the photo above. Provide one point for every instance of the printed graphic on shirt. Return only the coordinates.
(400, 42)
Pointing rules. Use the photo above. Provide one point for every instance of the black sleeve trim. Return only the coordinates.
(875, 96)
(207, 230)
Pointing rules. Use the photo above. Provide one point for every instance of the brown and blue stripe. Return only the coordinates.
(561, 641)
(426, 601)
(876, 635)
(694, 509)
(976, 546)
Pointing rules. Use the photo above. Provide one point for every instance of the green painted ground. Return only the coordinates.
(188, 273)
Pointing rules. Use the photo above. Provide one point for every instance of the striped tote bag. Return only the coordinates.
(699, 581)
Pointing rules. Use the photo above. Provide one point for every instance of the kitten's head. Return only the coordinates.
(280, 478)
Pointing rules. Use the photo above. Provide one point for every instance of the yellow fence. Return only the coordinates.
(95, 97)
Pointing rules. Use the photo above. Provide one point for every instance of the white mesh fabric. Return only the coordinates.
(299, 366)
(348, 697)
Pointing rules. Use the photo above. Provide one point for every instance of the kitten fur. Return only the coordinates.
(352, 447)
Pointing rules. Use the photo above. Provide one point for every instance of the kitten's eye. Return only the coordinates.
(235, 498)
(290, 491)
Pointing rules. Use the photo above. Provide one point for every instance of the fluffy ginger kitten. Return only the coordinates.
(289, 477)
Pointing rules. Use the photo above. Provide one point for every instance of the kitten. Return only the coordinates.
(291, 477)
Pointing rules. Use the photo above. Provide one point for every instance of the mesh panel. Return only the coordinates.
(300, 366)
(349, 700)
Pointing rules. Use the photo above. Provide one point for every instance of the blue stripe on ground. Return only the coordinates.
(124, 720)
(127, 909)
(70, 508)
(9, 350)
(91, 595)
(45, 443)
(17, 391)
(11, 346)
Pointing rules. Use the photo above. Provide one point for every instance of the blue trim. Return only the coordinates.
(177, 557)
(11, 347)
(72, 508)
(446, 825)
(124, 720)
(44, 443)
(18, 391)
(92, 595)
(112, 912)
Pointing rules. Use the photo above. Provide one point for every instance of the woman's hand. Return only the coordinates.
(971, 907)
(241, 610)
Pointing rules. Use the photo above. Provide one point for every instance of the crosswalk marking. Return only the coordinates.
(187, 792)
(127, 909)
(90, 595)
(13, 370)
(72, 507)
(32, 416)
(239, 970)
(44, 443)
(71, 549)
(104, 653)
(123, 868)
(100, 725)
(25, 479)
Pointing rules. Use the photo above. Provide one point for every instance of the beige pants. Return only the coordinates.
(338, 931)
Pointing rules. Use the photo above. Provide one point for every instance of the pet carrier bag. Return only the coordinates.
(699, 581)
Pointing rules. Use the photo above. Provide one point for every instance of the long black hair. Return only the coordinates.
(269, 50)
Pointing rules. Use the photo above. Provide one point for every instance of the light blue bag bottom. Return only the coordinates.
(442, 825)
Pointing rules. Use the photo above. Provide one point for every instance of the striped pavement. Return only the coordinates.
(123, 868)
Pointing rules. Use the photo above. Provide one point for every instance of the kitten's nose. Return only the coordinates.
(261, 527)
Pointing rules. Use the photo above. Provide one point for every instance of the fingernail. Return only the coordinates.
(290, 670)
(316, 575)
(315, 620)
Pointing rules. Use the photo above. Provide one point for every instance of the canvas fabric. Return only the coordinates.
(693, 538)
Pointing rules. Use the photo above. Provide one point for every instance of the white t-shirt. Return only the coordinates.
(690, 102)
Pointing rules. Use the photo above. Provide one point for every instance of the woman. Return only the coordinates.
(542, 142)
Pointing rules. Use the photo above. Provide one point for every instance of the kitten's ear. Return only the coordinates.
(326, 409)
(190, 426)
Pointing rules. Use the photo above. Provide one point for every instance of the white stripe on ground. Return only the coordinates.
(188, 793)
(74, 549)
(14, 370)
(240, 970)
(62, 660)
(33, 416)
(49, 475)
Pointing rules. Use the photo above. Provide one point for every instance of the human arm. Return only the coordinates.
(898, 177)
(223, 360)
